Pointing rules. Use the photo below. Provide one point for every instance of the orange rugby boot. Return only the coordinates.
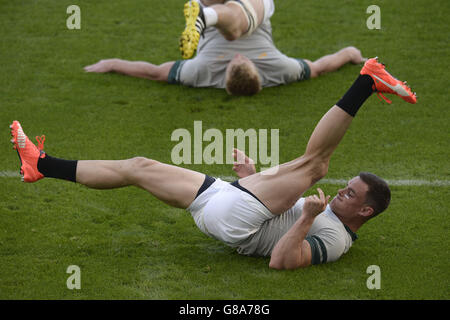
(386, 83)
(28, 153)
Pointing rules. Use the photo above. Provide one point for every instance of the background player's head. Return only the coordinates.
(242, 77)
(364, 197)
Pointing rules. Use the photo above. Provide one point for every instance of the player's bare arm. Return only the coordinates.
(293, 251)
(138, 69)
(333, 62)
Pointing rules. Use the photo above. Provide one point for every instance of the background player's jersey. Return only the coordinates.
(328, 237)
(214, 52)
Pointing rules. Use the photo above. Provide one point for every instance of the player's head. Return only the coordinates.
(242, 77)
(364, 197)
(379, 195)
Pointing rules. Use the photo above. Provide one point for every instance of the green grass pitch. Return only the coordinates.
(127, 244)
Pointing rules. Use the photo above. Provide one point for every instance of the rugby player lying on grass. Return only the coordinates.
(260, 213)
(243, 66)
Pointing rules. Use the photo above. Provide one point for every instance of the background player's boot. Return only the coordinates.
(195, 25)
(28, 153)
(386, 83)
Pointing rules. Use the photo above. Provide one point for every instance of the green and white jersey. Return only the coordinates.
(214, 52)
(328, 237)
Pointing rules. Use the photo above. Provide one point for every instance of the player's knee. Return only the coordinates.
(138, 166)
(136, 169)
(236, 23)
(140, 163)
(232, 34)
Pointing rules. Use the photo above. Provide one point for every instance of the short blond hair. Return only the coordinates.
(243, 80)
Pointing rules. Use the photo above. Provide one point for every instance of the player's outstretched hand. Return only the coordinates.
(243, 165)
(314, 204)
(355, 55)
(101, 67)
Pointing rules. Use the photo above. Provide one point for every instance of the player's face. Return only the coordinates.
(351, 199)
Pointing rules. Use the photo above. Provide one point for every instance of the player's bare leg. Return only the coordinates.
(333, 62)
(280, 190)
(232, 21)
(173, 185)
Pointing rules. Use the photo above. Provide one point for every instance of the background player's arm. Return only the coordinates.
(139, 69)
(292, 250)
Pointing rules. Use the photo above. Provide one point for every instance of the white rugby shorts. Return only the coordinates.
(227, 213)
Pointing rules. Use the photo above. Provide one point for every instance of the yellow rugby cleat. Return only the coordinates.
(195, 24)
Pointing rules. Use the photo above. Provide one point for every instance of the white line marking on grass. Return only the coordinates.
(9, 174)
(391, 182)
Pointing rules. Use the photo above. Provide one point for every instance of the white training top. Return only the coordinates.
(239, 220)
(328, 237)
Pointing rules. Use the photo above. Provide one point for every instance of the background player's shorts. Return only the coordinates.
(227, 213)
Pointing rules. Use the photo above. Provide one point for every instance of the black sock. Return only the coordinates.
(57, 168)
(356, 95)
